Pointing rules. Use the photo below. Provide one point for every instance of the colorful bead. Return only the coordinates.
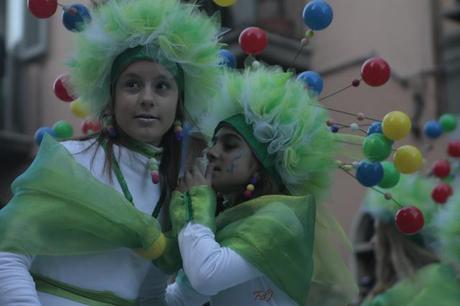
(388, 196)
(153, 164)
(112, 132)
(354, 126)
(304, 41)
(178, 129)
(155, 177)
(250, 187)
(247, 194)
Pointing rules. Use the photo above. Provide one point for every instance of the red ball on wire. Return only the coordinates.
(375, 71)
(441, 168)
(90, 125)
(62, 90)
(42, 8)
(441, 193)
(453, 148)
(409, 220)
(253, 40)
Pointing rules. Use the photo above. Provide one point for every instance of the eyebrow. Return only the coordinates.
(227, 135)
(158, 77)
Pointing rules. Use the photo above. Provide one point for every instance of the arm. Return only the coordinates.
(17, 287)
(181, 293)
(210, 267)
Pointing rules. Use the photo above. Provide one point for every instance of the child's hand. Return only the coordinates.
(197, 176)
(181, 186)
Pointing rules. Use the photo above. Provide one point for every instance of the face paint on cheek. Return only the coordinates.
(231, 168)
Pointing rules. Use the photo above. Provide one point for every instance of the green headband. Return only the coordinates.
(238, 122)
(142, 53)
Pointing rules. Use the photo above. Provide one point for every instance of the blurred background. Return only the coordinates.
(420, 39)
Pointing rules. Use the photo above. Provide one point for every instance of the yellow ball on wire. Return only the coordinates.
(407, 159)
(79, 109)
(396, 125)
(224, 3)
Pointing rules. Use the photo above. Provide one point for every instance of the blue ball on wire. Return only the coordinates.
(226, 58)
(432, 129)
(317, 15)
(369, 174)
(75, 17)
(312, 81)
(375, 127)
(40, 133)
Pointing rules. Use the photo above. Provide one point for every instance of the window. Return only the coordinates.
(25, 40)
(2, 57)
(34, 37)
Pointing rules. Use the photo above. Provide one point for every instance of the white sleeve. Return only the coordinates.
(209, 267)
(17, 288)
(180, 293)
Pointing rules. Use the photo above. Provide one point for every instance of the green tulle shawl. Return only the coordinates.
(275, 234)
(435, 284)
(59, 208)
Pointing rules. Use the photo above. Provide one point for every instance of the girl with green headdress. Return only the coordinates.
(437, 283)
(270, 243)
(67, 236)
(398, 256)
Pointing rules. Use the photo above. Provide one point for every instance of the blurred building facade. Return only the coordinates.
(419, 38)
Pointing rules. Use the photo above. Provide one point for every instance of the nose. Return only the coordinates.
(148, 97)
(212, 153)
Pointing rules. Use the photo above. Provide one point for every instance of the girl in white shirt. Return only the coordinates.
(67, 236)
(270, 159)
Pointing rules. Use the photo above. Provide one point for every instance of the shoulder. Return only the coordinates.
(80, 146)
(88, 153)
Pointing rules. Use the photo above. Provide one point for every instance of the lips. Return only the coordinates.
(145, 116)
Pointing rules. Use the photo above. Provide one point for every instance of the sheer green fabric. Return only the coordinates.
(178, 212)
(435, 284)
(59, 208)
(76, 294)
(275, 234)
(202, 206)
(332, 282)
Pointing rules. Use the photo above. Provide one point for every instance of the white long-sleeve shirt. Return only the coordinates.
(119, 271)
(220, 275)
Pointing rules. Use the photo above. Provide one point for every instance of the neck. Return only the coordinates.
(146, 149)
(232, 199)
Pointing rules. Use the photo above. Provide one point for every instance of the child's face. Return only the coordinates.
(232, 162)
(146, 96)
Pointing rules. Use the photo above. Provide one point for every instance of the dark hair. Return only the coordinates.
(169, 164)
(265, 185)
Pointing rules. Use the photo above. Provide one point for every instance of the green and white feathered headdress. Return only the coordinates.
(281, 122)
(448, 222)
(413, 190)
(176, 34)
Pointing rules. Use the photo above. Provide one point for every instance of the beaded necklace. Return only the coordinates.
(151, 152)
